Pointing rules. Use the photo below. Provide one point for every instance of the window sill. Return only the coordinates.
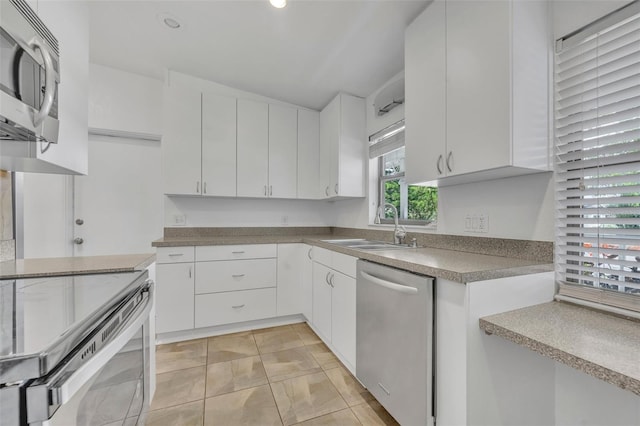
(432, 227)
(584, 341)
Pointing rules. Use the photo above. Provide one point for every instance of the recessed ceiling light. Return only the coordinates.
(278, 3)
(169, 21)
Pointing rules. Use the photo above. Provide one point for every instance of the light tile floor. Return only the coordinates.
(272, 376)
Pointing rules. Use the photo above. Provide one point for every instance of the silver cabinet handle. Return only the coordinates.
(238, 252)
(176, 254)
(331, 280)
(326, 191)
(198, 187)
(49, 83)
(388, 284)
(449, 161)
(336, 188)
(238, 306)
(204, 187)
(237, 275)
(265, 190)
(270, 190)
(439, 164)
(326, 279)
(190, 271)
(309, 253)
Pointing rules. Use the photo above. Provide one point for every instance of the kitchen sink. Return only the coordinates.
(363, 244)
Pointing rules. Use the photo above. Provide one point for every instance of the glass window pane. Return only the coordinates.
(393, 162)
(422, 203)
(391, 196)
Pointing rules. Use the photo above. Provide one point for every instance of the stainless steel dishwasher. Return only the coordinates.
(394, 340)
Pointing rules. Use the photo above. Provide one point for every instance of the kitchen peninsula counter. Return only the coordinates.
(57, 266)
(491, 261)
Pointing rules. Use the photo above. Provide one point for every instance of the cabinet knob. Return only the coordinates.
(78, 240)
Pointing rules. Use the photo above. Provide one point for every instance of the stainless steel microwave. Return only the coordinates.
(29, 76)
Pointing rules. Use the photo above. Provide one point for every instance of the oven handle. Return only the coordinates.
(388, 284)
(62, 393)
(50, 82)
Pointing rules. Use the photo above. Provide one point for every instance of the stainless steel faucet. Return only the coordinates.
(399, 233)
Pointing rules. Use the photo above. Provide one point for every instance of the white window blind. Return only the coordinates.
(598, 163)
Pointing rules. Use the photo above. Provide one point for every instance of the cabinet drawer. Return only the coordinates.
(236, 306)
(175, 254)
(250, 251)
(230, 275)
(344, 263)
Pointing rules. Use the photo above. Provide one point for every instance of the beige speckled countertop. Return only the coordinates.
(459, 266)
(55, 266)
(604, 346)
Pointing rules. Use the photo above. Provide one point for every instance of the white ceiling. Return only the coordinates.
(303, 54)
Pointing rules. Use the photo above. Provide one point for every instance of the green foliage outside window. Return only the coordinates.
(422, 201)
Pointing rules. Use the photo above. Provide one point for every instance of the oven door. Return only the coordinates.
(111, 388)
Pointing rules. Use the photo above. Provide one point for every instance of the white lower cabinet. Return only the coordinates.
(294, 280)
(234, 306)
(334, 303)
(174, 297)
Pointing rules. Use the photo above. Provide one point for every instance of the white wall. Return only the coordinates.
(233, 212)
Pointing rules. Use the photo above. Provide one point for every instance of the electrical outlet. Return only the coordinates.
(467, 222)
(483, 223)
(179, 219)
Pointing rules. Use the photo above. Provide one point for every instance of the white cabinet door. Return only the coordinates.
(290, 278)
(308, 154)
(307, 282)
(425, 95)
(174, 297)
(181, 142)
(252, 149)
(322, 301)
(478, 85)
(69, 21)
(283, 151)
(343, 316)
(329, 147)
(218, 145)
(352, 148)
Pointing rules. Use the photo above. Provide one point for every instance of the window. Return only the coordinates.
(598, 161)
(416, 205)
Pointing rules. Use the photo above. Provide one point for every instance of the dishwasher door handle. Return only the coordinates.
(388, 284)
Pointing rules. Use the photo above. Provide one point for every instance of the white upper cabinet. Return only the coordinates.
(181, 142)
(218, 145)
(477, 91)
(283, 151)
(342, 147)
(69, 23)
(308, 154)
(199, 143)
(425, 95)
(253, 148)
